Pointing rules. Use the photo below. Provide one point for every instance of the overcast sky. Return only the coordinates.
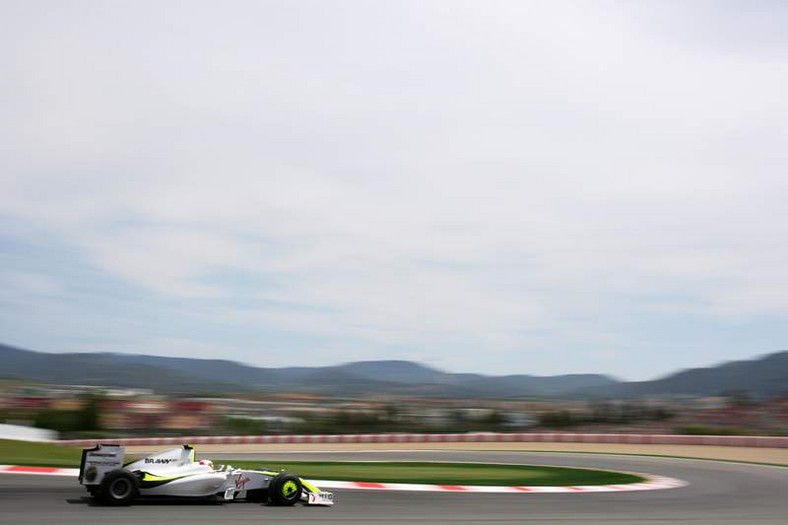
(501, 187)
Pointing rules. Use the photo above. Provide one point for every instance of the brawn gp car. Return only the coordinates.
(176, 473)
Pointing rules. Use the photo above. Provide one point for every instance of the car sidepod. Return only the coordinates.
(190, 486)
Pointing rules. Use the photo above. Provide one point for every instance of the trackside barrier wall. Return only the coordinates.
(482, 437)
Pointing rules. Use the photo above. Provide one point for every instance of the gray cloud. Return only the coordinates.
(430, 179)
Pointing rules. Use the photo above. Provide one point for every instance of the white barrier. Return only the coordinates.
(21, 433)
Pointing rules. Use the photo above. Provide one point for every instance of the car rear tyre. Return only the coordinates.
(118, 488)
(285, 490)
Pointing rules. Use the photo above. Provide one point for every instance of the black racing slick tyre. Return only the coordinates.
(285, 490)
(118, 488)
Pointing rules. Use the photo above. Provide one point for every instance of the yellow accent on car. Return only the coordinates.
(308, 486)
(289, 488)
(151, 477)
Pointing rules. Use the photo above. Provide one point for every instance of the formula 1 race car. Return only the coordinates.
(176, 473)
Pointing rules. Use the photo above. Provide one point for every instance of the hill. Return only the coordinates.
(99, 369)
(765, 376)
(171, 374)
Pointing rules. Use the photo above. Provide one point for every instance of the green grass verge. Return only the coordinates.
(38, 454)
(45, 454)
(445, 473)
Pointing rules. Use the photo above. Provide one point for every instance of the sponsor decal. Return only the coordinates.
(103, 463)
(321, 498)
(90, 473)
(158, 461)
(241, 482)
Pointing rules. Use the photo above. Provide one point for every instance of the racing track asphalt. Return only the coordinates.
(719, 493)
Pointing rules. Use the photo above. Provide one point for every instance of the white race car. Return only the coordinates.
(176, 473)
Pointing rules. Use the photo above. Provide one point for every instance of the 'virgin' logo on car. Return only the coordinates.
(240, 483)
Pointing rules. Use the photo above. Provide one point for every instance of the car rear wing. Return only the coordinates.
(98, 461)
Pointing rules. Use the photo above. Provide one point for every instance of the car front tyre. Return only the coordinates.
(285, 490)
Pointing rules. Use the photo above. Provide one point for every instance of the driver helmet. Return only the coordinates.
(207, 463)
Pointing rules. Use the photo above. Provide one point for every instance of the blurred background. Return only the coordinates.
(98, 395)
(269, 217)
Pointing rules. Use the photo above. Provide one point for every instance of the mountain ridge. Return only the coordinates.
(765, 375)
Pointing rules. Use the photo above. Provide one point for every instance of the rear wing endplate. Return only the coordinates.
(98, 461)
